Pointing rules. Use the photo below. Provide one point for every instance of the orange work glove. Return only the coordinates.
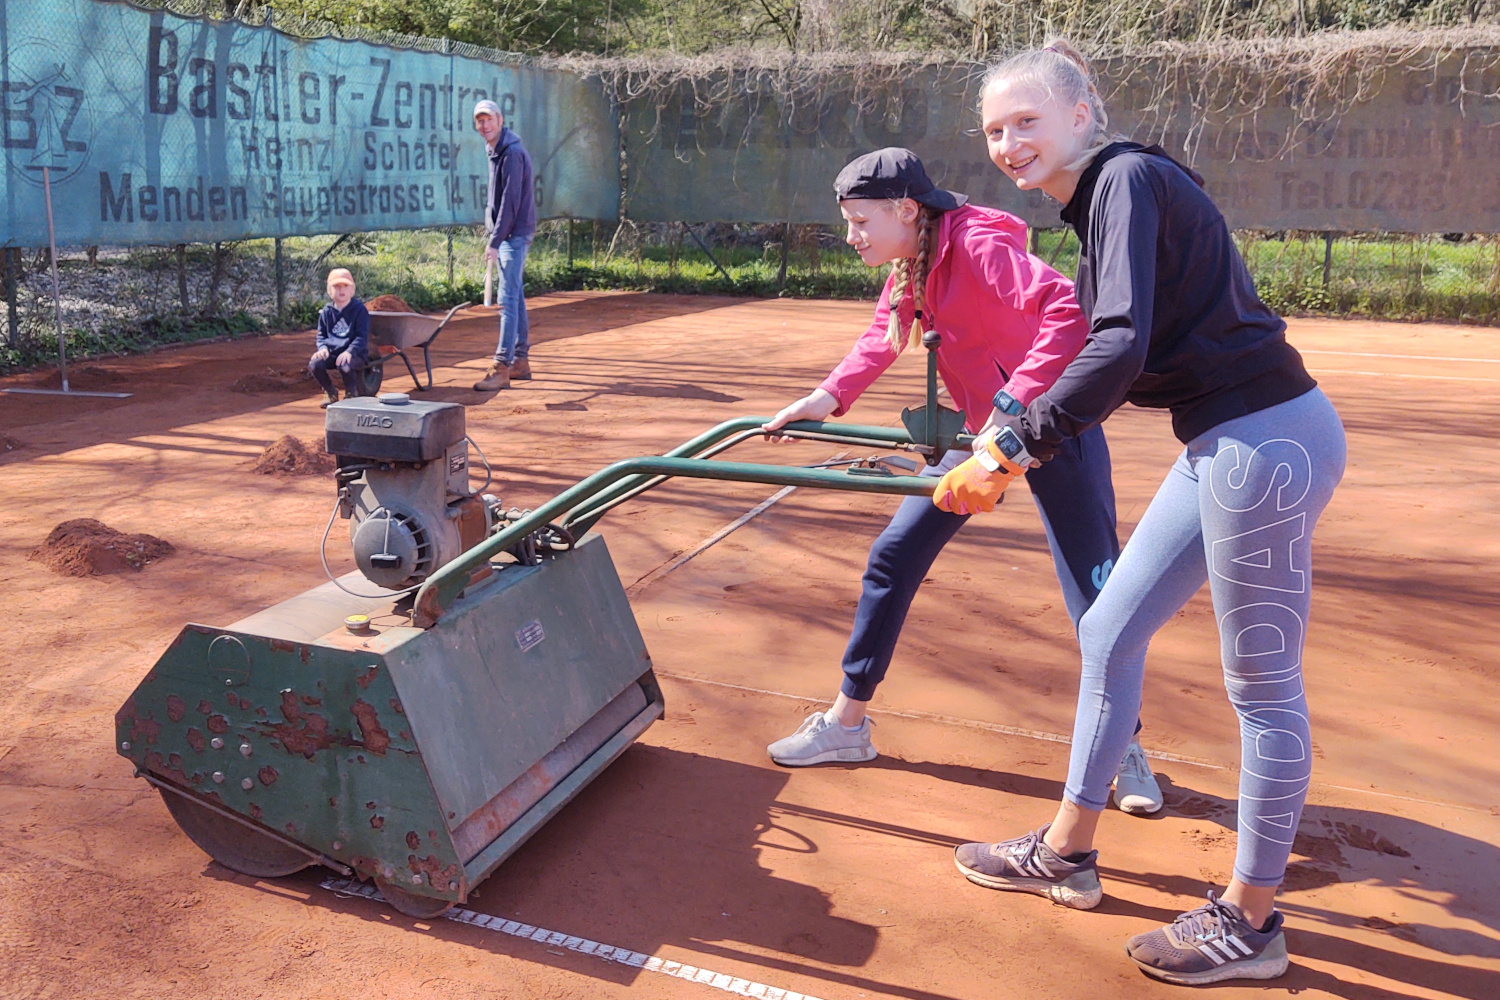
(977, 484)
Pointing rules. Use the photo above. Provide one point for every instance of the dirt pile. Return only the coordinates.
(271, 380)
(388, 303)
(88, 377)
(290, 456)
(86, 547)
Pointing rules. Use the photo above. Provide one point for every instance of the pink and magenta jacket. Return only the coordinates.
(1007, 319)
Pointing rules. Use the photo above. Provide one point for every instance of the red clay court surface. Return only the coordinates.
(693, 848)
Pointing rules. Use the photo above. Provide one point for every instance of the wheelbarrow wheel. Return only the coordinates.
(234, 845)
(409, 903)
(368, 379)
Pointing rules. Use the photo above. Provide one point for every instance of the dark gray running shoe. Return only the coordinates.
(1211, 943)
(1028, 865)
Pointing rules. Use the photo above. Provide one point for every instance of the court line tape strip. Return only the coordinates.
(1438, 378)
(716, 537)
(1400, 357)
(709, 542)
(949, 720)
(1036, 734)
(583, 946)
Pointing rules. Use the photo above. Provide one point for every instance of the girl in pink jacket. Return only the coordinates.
(1009, 326)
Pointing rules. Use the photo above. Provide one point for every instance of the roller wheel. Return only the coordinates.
(235, 846)
(409, 903)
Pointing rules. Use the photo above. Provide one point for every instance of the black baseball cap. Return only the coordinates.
(894, 172)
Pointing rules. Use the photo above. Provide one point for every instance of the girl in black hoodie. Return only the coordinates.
(1175, 324)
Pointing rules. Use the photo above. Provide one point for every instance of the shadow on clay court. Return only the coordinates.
(662, 850)
(1333, 844)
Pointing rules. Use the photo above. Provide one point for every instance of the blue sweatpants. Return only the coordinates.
(515, 324)
(1077, 502)
(1238, 510)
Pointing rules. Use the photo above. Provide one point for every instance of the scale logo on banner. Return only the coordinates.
(45, 112)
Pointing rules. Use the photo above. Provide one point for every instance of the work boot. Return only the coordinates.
(498, 377)
(520, 371)
(331, 396)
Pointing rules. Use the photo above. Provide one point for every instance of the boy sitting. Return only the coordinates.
(343, 337)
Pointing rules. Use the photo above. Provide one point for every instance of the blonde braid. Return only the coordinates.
(901, 276)
(905, 271)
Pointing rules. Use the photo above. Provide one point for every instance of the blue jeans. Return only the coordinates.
(515, 326)
(1237, 510)
(1076, 498)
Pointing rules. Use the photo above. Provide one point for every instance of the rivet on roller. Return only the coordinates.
(452, 886)
(417, 878)
(338, 845)
(247, 784)
(217, 743)
(218, 777)
(125, 746)
(244, 749)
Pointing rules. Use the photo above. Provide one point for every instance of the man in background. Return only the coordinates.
(510, 219)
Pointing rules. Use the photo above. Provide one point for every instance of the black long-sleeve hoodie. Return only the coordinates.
(1174, 319)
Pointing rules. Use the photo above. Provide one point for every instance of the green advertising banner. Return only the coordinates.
(1404, 141)
(161, 129)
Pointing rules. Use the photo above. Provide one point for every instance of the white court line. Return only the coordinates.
(1440, 378)
(707, 543)
(1400, 357)
(583, 946)
(1035, 734)
(950, 720)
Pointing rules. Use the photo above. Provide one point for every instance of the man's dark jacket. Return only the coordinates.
(511, 212)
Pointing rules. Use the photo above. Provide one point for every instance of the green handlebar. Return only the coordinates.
(440, 590)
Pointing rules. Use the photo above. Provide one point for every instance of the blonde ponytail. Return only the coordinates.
(910, 273)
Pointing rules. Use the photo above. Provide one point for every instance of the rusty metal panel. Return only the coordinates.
(1417, 153)
(163, 129)
(514, 668)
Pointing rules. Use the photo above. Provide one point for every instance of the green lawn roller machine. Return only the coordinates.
(415, 721)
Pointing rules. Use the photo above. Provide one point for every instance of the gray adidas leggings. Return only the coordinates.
(1238, 510)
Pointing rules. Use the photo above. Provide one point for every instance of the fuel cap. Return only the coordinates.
(394, 398)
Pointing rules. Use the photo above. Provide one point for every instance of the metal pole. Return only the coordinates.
(1327, 257)
(786, 248)
(62, 343)
(280, 287)
(450, 238)
(12, 261)
(570, 242)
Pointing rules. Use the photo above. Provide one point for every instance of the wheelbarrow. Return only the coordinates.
(392, 335)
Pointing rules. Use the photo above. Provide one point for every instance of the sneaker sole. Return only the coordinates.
(1269, 964)
(1080, 891)
(1139, 810)
(848, 755)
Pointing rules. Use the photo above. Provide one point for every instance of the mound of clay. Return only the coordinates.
(388, 304)
(89, 377)
(291, 456)
(270, 380)
(86, 547)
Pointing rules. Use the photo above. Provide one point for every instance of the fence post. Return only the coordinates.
(786, 246)
(570, 242)
(182, 294)
(450, 233)
(12, 264)
(1327, 256)
(280, 288)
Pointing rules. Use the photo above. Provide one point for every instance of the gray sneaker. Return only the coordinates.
(820, 739)
(1026, 864)
(1211, 943)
